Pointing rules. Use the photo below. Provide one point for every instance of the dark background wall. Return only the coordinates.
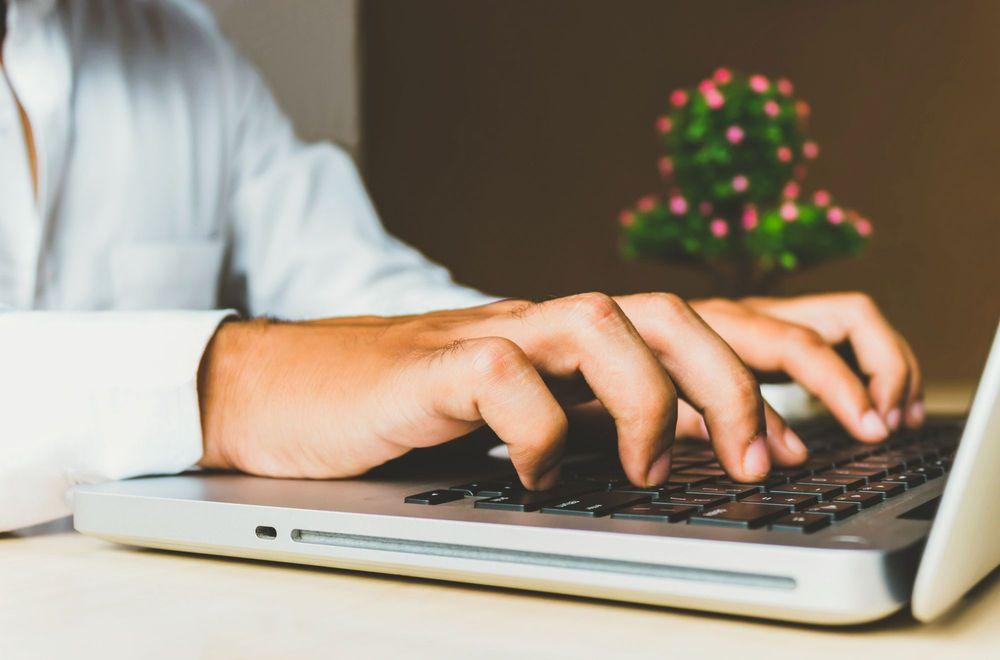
(503, 138)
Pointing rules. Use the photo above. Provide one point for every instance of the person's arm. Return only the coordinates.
(95, 396)
(307, 241)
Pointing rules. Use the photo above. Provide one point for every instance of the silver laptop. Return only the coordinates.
(854, 535)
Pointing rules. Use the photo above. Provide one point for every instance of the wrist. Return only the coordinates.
(227, 364)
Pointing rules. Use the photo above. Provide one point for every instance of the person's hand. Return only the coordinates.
(335, 398)
(796, 336)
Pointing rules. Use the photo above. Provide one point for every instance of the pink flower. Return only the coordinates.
(791, 190)
(835, 215)
(771, 108)
(678, 98)
(678, 205)
(784, 154)
(722, 75)
(789, 212)
(734, 134)
(802, 109)
(666, 166)
(705, 208)
(740, 183)
(718, 227)
(714, 99)
(784, 86)
(749, 217)
(821, 198)
(705, 86)
(647, 203)
(664, 124)
(626, 218)
(758, 83)
(810, 149)
(864, 227)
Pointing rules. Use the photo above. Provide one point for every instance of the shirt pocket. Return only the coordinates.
(167, 275)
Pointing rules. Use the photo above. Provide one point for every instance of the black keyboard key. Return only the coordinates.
(941, 463)
(823, 492)
(434, 497)
(687, 480)
(928, 471)
(888, 489)
(800, 522)
(861, 498)
(702, 471)
(788, 474)
(594, 504)
(871, 464)
(759, 485)
(908, 479)
(837, 510)
(781, 499)
(733, 492)
(867, 474)
(690, 499)
(655, 492)
(532, 500)
(739, 514)
(835, 480)
(487, 488)
(656, 511)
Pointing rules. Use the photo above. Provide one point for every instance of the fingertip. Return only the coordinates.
(659, 470)
(872, 428)
(796, 448)
(893, 419)
(547, 479)
(756, 463)
(915, 414)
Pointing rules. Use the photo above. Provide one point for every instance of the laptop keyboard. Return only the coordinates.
(841, 478)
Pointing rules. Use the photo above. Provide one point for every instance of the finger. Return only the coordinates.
(773, 344)
(786, 448)
(690, 423)
(856, 318)
(589, 335)
(784, 444)
(915, 413)
(710, 376)
(491, 379)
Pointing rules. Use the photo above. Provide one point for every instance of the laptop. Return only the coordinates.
(855, 534)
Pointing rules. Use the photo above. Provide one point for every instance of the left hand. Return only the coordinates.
(796, 336)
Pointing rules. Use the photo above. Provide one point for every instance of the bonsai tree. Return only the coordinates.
(735, 154)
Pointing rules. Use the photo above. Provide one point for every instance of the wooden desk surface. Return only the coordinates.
(66, 595)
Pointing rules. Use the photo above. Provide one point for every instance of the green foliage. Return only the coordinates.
(735, 153)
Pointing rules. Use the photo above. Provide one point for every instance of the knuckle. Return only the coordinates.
(803, 337)
(861, 301)
(496, 358)
(595, 309)
(670, 305)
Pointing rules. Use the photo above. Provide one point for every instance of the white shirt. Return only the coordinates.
(172, 190)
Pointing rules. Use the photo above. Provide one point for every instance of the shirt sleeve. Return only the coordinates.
(95, 396)
(307, 239)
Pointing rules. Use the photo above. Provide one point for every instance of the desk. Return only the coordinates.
(66, 595)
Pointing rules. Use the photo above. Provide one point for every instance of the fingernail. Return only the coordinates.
(916, 413)
(893, 417)
(872, 426)
(794, 443)
(659, 470)
(755, 460)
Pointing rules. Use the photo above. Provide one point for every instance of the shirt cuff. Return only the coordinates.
(98, 396)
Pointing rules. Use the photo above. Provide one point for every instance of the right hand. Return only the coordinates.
(337, 397)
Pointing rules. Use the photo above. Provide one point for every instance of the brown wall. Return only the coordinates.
(503, 138)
